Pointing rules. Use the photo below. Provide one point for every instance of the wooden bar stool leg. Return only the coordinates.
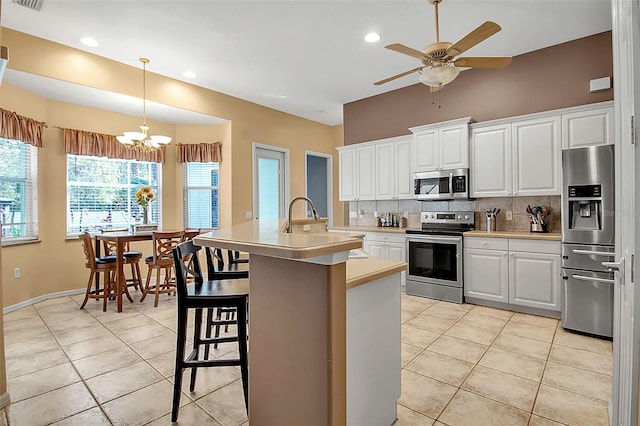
(86, 296)
(244, 354)
(197, 341)
(181, 341)
(208, 331)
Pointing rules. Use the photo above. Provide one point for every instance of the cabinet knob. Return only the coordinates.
(484, 243)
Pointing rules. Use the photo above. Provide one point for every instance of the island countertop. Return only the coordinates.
(366, 270)
(264, 238)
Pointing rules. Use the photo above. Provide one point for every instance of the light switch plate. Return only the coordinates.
(509, 215)
(353, 215)
(248, 215)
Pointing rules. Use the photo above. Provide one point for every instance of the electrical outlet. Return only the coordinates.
(353, 215)
(306, 228)
(248, 215)
(509, 215)
(16, 272)
(361, 213)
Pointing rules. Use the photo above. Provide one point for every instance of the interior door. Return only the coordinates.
(319, 184)
(269, 178)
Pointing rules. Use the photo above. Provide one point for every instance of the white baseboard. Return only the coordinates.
(41, 298)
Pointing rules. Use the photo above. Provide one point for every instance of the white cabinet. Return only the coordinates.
(491, 161)
(387, 245)
(486, 269)
(366, 172)
(522, 158)
(537, 157)
(385, 171)
(534, 274)
(348, 174)
(514, 271)
(402, 157)
(441, 146)
(587, 128)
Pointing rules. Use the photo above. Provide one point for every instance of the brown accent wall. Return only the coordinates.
(546, 79)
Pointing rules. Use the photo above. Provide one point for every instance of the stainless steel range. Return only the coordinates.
(434, 255)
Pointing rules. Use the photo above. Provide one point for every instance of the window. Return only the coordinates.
(101, 192)
(18, 190)
(201, 195)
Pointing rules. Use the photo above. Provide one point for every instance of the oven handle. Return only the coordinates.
(592, 279)
(593, 253)
(435, 239)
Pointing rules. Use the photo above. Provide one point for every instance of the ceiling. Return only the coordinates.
(303, 57)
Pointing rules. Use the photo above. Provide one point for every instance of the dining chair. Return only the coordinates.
(161, 261)
(206, 294)
(131, 257)
(98, 265)
(191, 233)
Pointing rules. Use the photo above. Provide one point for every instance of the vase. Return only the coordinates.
(145, 215)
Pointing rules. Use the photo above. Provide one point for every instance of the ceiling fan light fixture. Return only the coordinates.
(437, 76)
(141, 140)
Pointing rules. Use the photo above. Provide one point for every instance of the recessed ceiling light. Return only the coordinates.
(189, 74)
(89, 41)
(372, 37)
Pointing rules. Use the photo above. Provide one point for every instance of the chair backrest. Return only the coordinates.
(187, 264)
(110, 247)
(190, 234)
(163, 244)
(89, 253)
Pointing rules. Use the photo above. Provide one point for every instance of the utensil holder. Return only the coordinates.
(539, 227)
(490, 222)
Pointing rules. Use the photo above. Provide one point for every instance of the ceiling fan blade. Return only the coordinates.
(483, 62)
(483, 32)
(400, 48)
(386, 80)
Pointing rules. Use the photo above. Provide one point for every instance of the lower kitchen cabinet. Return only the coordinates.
(387, 245)
(513, 271)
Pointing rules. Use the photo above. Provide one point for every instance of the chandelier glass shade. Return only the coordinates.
(141, 140)
(438, 75)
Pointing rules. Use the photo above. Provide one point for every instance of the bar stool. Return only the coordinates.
(131, 257)
(97, 265)
(201, 295)
(161, 260)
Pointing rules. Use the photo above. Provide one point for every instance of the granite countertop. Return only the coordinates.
(549, 236)
(264, 238)
(371, 229)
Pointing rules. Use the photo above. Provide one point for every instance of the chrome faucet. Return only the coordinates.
(313, 210)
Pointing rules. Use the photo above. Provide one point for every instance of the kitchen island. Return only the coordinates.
(324, 329)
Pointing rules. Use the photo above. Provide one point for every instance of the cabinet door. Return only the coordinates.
(537, 157)
(491, 161)
(385, 171)
(426, 146)
(587, 128)
(348, 175)
(397, 251)
(366, 176)
(376, 249)
(404, 182)
(486, 274)
(534, 280)
(453, 147)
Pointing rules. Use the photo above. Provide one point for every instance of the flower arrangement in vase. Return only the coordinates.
(144, 196)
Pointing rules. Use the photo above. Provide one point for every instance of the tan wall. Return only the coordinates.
(546, 79)
(59, 261)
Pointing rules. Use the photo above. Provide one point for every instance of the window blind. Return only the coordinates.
(201, 184)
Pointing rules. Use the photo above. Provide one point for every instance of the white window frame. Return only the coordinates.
(185, 196)
(30, 197)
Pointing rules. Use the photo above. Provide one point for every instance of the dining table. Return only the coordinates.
(120, 239)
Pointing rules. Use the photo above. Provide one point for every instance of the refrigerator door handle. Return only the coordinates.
(592, 279)
(593, 253)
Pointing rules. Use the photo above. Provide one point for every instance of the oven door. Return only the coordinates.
(435, 259)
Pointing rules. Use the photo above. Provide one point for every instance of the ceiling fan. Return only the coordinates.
(439, 66)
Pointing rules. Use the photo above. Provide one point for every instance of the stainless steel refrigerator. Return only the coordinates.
(588, 239)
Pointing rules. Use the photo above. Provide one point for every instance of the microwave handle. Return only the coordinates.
(451, 185)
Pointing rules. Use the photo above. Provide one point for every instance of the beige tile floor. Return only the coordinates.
(462, 365)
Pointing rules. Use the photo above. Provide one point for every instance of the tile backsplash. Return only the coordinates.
(364, 211)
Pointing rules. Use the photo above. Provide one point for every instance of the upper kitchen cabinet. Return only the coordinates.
(357, 173)
(590, 127)
(385, 171)
(537, 156)
(491, 161)
(442, 146)
(402, 157)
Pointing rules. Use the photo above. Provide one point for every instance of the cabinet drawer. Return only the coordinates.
(486, 243)
(534, 246)
(386, 237)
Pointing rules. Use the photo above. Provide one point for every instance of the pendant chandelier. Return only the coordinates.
(141, 140)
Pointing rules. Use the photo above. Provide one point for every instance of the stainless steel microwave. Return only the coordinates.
(441, 184)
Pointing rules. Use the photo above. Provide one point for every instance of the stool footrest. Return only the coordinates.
(193, 363)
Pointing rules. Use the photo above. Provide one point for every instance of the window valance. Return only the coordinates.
(200, 153)
(18, 127)
(81, 142)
